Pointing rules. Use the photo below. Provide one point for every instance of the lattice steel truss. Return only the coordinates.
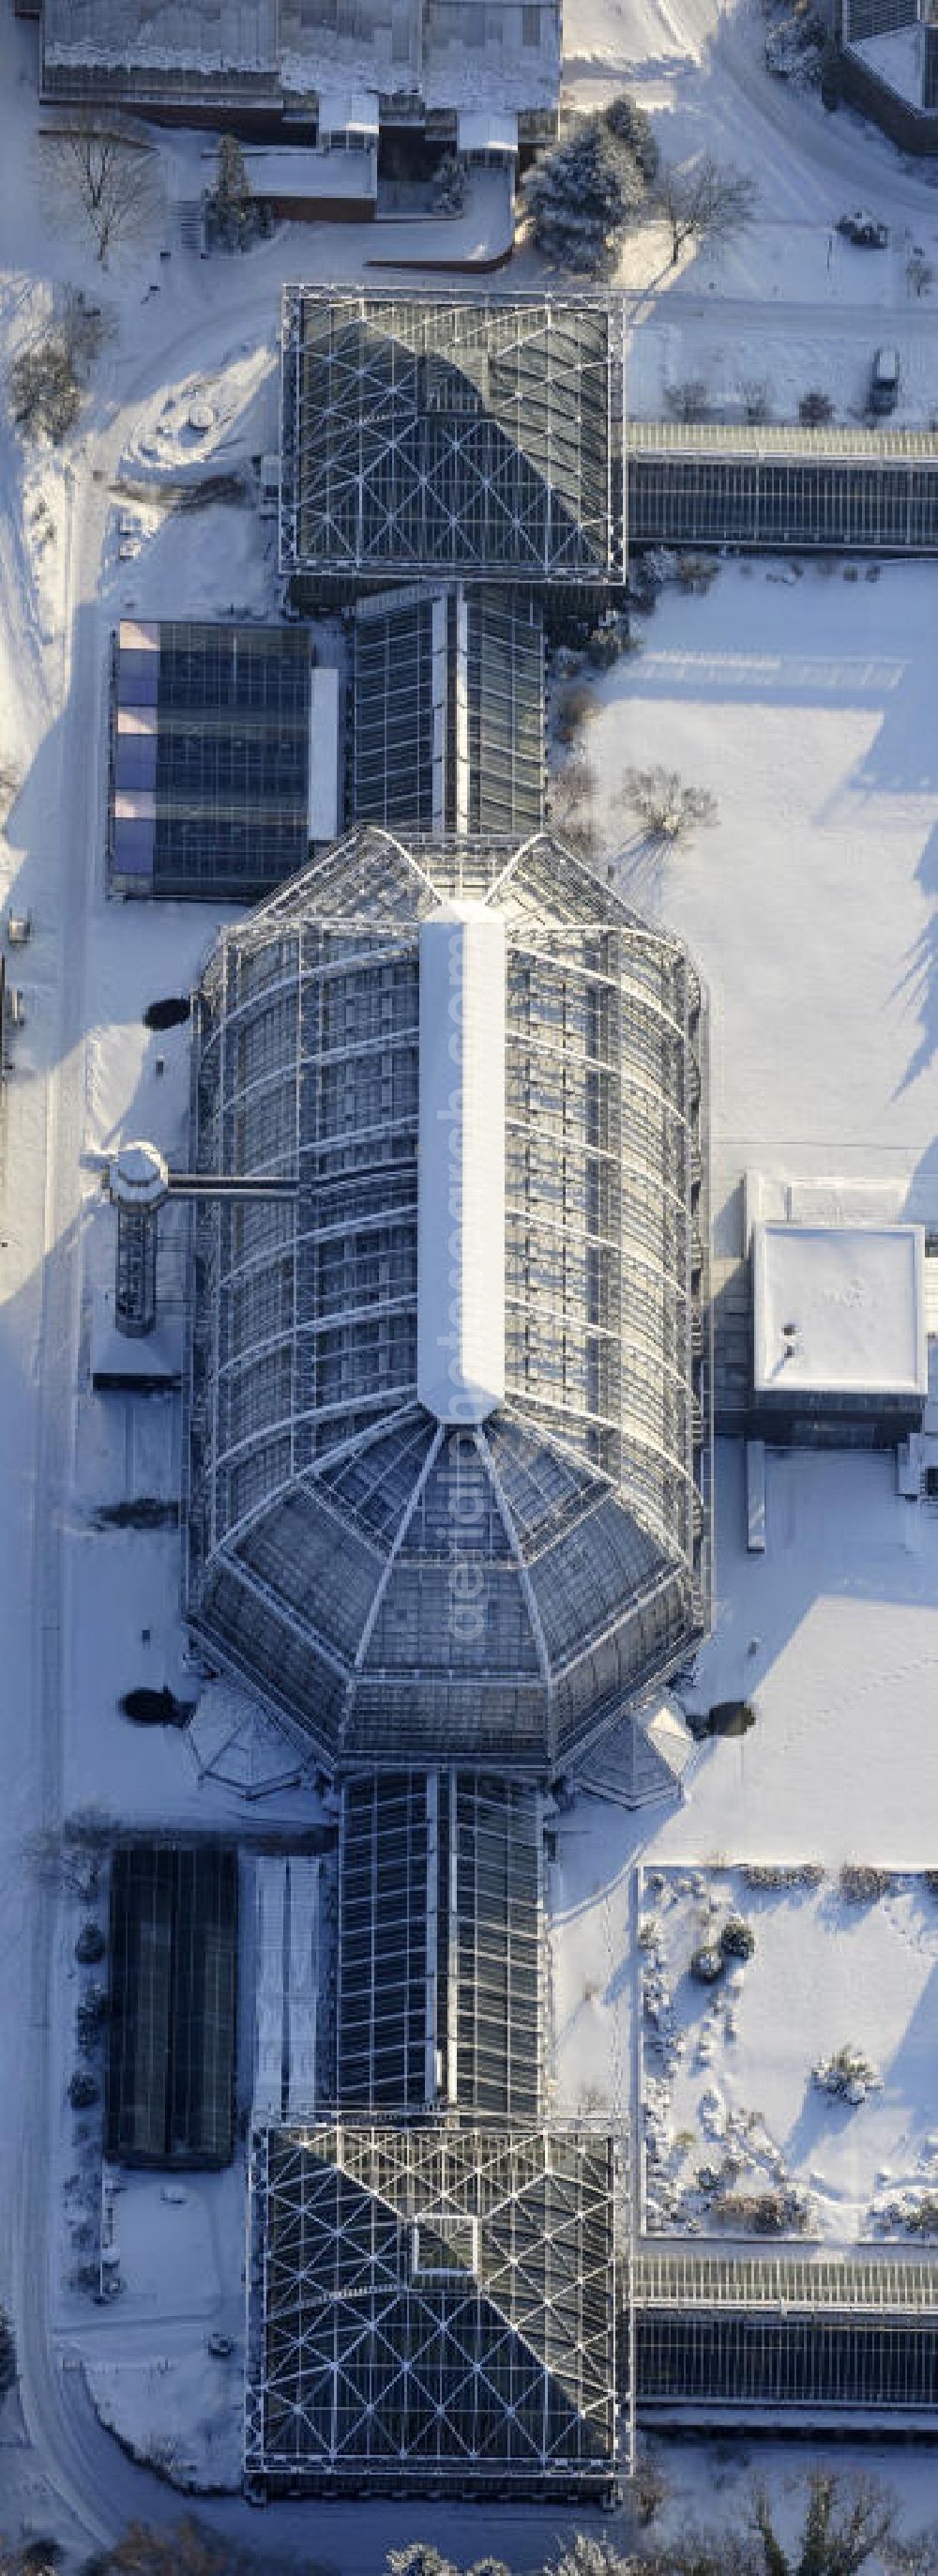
(440, 1945)
(473, 434)
(431, 2308)
(447, 726)
(325, 1507)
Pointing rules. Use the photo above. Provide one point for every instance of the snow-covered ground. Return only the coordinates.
(800, 697)
(806, 705)
(741, 2136)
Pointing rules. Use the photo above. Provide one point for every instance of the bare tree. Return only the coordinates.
(704, 203)
(83, 328)
(69, 1858)
(187, 2549)
(668, 810)
(919, 273)
(104, 166)
(650, 2488)
(847, 2520)
(689, 399)
(756, 398)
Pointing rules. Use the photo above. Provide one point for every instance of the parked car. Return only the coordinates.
(884, 381)
(864, 229)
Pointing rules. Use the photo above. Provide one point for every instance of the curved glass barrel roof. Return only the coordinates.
(399, 1583)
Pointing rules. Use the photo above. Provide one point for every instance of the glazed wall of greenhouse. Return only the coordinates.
(497, 1578)
(440, 1944)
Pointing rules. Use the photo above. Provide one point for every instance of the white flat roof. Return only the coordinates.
(839, 1309)
(298, 171)
(348, 111)
(486, 129)
(461, 1171)
(323, 799)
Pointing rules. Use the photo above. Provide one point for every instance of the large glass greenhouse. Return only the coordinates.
(468, 434)
(448, 1409)
(432, 2308)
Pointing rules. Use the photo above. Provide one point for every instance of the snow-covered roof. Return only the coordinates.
(461, 1163)
(348, 111)
(323, 754)
(839, 1309)
(298, 172)
(138, 635)
(840, 443)
(486, 129)
(896, 57)
(191, 35)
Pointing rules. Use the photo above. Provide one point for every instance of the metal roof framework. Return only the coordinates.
(322, 1500)
(447, 691)
(432, 2308)
(440, 1944)
(472, 434)
(736, 483)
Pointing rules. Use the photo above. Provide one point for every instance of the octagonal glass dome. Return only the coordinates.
(498, 1148)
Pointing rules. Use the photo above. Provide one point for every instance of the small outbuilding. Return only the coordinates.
(840, 1351)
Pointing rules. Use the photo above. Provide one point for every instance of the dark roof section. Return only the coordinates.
(173, 1955)
(465, 434)
(209, 761)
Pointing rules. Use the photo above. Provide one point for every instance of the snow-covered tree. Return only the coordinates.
(231, 194)
(630, 124)
(583, 195)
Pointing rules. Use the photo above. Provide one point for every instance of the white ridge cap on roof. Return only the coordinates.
(461, 1170)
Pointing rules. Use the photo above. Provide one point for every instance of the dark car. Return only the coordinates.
(864, 229)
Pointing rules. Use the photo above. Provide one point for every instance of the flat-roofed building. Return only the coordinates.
(839, 1330)
(209, 773)
(328, 69)
(739, 483)
(173, 1983)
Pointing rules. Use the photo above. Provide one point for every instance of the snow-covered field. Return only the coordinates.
(800, 697)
